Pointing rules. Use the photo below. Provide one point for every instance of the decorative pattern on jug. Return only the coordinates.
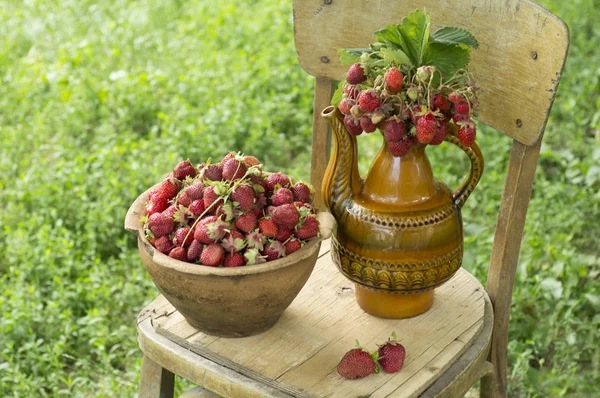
(399, 278)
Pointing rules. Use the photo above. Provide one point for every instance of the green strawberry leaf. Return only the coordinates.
(395, 55)
(454, 35)
(414, 31)
(390, 36)
(448, 59)
(337, 96)
(352, 55)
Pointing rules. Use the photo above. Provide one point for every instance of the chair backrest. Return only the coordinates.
(518, 65)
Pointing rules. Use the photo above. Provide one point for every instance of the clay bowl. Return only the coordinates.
(228, 302)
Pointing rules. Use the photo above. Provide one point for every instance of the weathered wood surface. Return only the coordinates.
(299, 355)
(321, 138)
(505, 253)
(155, 381)
(470, 367)
(517, 66)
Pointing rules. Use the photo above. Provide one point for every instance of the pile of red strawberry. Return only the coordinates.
(358, 363)
(408, 108)
(229, 213)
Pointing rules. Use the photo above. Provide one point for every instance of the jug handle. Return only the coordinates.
(465, 189)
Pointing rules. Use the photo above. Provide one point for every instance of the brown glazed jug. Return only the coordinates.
(399, 231)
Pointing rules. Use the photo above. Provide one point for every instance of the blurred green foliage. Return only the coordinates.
(99, 99)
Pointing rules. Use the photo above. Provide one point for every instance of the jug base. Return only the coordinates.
(393, 306)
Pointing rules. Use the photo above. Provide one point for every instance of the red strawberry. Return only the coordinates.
(440, 102)
(309, 228)
(301, 192)
(291, 246)
(268, 227)
(367, 125)
(351, 91)
(274, 250)
(416, 114)
(441, 133)
(284, 234)
(233, 169)
(197, 207)
(286, 215)
(178, 253)
(282, 196)
(352, 125)
(251, 161)
(393, 79)
(230, 155)
(194, 251)
(258, 212)
(201, 234)
(467, 133)
(246, 222)
(244, 195)
(369, 100)
(395, 130)
(180, 235)
(399, 148)
(211, 197)
(163, 244)
(156, 204)
(345, 106)
(213, 172)
(462, 107)
(208, 219)
(212, 255)
(391, 355)
(426, 128)
(184, 169)
(195, 191)
(459, 118)
(160, 224)
(278, 179)
(356, 364)
(234, 259)
(356, 74)
(168, 189)
(455, 98)
(170, 211)
(184, 199)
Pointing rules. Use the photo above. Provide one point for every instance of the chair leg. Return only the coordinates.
(489, 387)
(155, 381)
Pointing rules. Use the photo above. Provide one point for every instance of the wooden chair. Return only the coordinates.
(461, 339)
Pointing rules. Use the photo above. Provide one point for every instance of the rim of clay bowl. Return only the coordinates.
(133, 224)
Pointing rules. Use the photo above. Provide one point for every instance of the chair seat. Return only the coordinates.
(299, 355)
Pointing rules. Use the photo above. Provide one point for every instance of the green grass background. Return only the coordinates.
(99, 99)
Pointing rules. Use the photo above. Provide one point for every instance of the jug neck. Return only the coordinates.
(397, 182)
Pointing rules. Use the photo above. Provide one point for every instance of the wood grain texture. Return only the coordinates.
(469, 368)
(321, 138)
(299, 355)
(199, 370)
(199, 392)
(517, 65)
(505, 252)
(155, 381)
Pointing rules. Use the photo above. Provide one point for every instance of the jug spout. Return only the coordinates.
(342, 180)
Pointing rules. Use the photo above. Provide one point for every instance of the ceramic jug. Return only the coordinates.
(399, 230)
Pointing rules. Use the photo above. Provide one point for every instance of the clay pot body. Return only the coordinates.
(399, 231)
(228, 302)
